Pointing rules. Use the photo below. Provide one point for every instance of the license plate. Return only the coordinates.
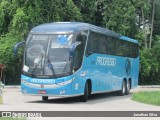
(42, 91)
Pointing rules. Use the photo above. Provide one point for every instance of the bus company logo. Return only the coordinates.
(42, 81)
(106, 61)
(42, 86)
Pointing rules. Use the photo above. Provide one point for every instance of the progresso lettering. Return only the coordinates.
(106, 61)
(42, 81)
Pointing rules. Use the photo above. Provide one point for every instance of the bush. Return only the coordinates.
(150, 66)
(12, 63)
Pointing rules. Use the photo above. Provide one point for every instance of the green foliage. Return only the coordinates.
(152, 97)
(150, 66)
(120, 16)
(18, 17)
(19, 22)
(12, 63)
(156, 39)
(88, 10)
(14, 118)
(156, 30)
(6, 9)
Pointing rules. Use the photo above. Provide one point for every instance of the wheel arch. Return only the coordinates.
(125, 80)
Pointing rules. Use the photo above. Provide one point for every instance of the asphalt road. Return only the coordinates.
(15, 101)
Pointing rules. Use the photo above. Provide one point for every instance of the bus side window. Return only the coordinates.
(134, 50)
(110, 45)
(101, 44)
(92, 43)
(128, 51)
(122, 48)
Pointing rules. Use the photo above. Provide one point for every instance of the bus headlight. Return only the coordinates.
(66, 82)
(23, 81)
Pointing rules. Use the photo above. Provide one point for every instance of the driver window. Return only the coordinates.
(81, 37)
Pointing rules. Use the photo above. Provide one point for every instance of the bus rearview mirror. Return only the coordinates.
(17, 46)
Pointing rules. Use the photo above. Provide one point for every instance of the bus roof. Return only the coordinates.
(70, 27)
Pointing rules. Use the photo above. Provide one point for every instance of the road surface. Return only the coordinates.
(15, 101)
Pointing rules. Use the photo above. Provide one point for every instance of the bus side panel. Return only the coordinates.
(135, 72)
(116, 71)
(104, 77)
(89, 64)
(77, 84)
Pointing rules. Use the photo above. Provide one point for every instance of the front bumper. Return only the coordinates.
(60, 89)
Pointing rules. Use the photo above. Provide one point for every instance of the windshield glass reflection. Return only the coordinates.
(48, 54)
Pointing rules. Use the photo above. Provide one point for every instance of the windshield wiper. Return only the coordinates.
(51, 67)
(65, 67)
(67, 62)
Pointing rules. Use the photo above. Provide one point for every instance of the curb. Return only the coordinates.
(149, 86)
(12, 86)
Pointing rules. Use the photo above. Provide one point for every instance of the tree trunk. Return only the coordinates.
(144, 29)
(153, 12)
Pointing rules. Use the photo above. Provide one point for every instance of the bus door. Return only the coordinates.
(78, 60)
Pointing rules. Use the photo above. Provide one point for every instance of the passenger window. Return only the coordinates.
(101, 44)
(110, 45)
(134, 50)
(93, 47)
(121, 48)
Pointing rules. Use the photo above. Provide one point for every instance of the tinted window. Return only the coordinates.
(110, 45)
(93, 41)
(122, 48)
(99, 43)
(134, 50)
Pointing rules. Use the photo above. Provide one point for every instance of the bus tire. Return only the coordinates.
(123, 89)
(128, 87)
(84, 97)
(44, 97)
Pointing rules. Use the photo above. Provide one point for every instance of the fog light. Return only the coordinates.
(24, 90)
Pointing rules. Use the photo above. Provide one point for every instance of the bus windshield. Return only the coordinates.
(48, 55)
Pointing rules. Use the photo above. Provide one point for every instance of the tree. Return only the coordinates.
(120, 16)
(16, 20)
(132, 18)
(88, 10)
(142, 13)
(152, 21)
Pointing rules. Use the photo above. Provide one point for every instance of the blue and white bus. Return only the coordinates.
(78, 59)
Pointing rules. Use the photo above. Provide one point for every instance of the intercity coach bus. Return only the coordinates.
(69, 59)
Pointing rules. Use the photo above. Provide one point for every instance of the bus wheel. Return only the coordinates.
(123, 90)
(84, 97)
(44, 97)
(128, 87)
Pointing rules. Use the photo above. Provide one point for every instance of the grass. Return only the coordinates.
(149, 97)
(9, 118)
